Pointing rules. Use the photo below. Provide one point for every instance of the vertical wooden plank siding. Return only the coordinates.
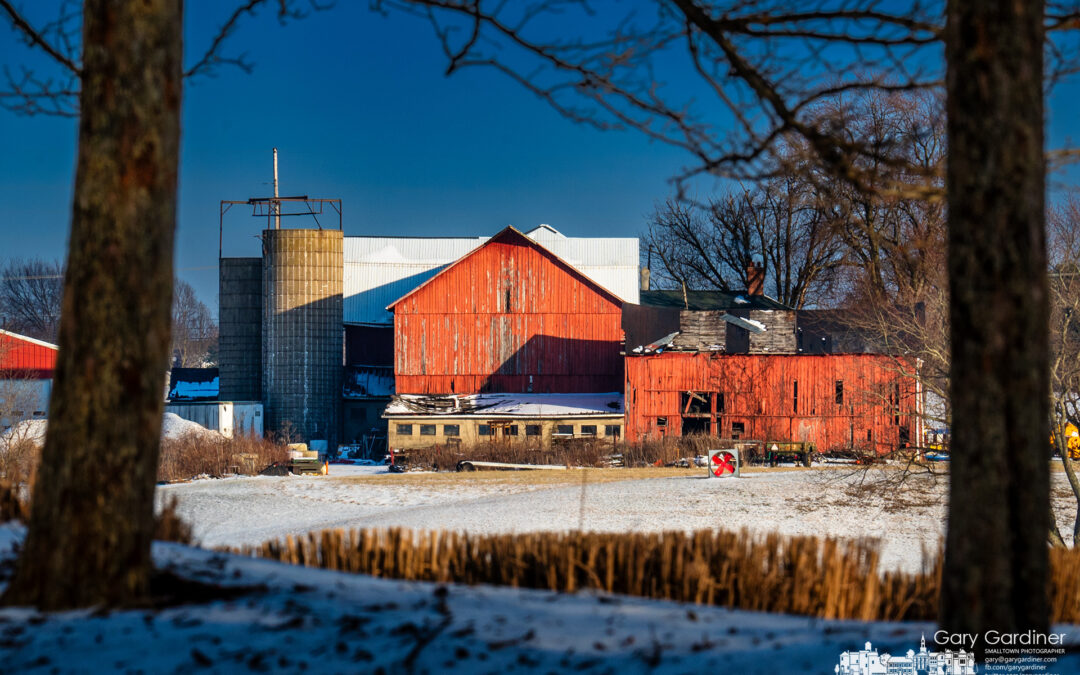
(880, 397)
(508, 317)
(25, 358)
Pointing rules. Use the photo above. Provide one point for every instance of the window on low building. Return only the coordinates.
(532, 429)
(661, 421)
(839, 392)
(427, 429)
(564, 429)
(483, 429)
(511, 430)
(451, 430)
(614, 430)
(404, 430)
(588, 429)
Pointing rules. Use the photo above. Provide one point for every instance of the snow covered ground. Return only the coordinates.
(839, 503)
(293, 619)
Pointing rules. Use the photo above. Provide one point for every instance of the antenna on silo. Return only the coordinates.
(277, 203)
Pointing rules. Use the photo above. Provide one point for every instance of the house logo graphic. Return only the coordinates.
(869, 662)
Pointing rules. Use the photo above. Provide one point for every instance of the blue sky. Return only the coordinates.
(359, 108)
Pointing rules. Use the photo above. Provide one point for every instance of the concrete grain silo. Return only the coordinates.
(301, 332)
(240, 310)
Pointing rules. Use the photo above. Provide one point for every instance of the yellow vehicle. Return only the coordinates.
(1072, 440)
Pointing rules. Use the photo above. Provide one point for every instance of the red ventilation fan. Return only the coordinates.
(723, 463)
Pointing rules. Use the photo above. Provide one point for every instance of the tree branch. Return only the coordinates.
(35, 38)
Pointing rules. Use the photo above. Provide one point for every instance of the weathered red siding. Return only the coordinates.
(23, 357)
(880, 397)
(508, 317)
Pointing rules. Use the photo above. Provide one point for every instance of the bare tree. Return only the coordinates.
(1064, 256)
(30, 297)
(91, 521)
(777, 223)
(769, 65)
(194, 333)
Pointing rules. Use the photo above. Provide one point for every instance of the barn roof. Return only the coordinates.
(513, 235)
(379, 270)
(709, 300)
(24, 356)
(506, 406)
(194, 384)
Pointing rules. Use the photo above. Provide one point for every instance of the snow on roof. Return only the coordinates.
(25, 338)
(192, 391)
(510, 233)
(657, 346)
(368, 382)
(194, 384)
(749, 324)
(508, 405)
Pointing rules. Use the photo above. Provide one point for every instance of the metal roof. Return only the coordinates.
(508, 406)
(380, 270)
(709, 300)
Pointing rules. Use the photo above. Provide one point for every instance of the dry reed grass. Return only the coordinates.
(797, 575)
(19, 461)
(827, 578)
(212, 455)
(596, 452)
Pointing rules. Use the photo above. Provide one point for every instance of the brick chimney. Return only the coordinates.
(755, 279)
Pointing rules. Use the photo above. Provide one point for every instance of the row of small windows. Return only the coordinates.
(565, 430)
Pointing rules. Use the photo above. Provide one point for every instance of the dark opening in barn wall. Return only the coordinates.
(696, 426)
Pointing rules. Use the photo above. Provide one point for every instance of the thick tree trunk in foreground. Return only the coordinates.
(996, 559)
(92, 515)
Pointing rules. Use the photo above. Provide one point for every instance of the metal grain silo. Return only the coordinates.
(302, 337)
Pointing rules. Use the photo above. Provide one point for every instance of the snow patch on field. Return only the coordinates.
(847, 503)
(835, 503)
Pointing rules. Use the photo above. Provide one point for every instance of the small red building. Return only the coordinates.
(837, 401)
(509, 317)
(24, 357)
(26, 373)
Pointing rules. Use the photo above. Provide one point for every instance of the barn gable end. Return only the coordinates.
(510, 316)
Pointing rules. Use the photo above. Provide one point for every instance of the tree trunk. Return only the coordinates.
(92, 515)
(996, 558)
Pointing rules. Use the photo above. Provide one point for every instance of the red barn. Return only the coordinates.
(509, 317)
(836, 401)
(23, 357)
(26, 371)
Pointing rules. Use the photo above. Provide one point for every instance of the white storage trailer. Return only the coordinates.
(230, 418)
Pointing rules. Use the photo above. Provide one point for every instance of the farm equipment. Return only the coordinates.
(304, 461)
(1072, 440)
(789, 451)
